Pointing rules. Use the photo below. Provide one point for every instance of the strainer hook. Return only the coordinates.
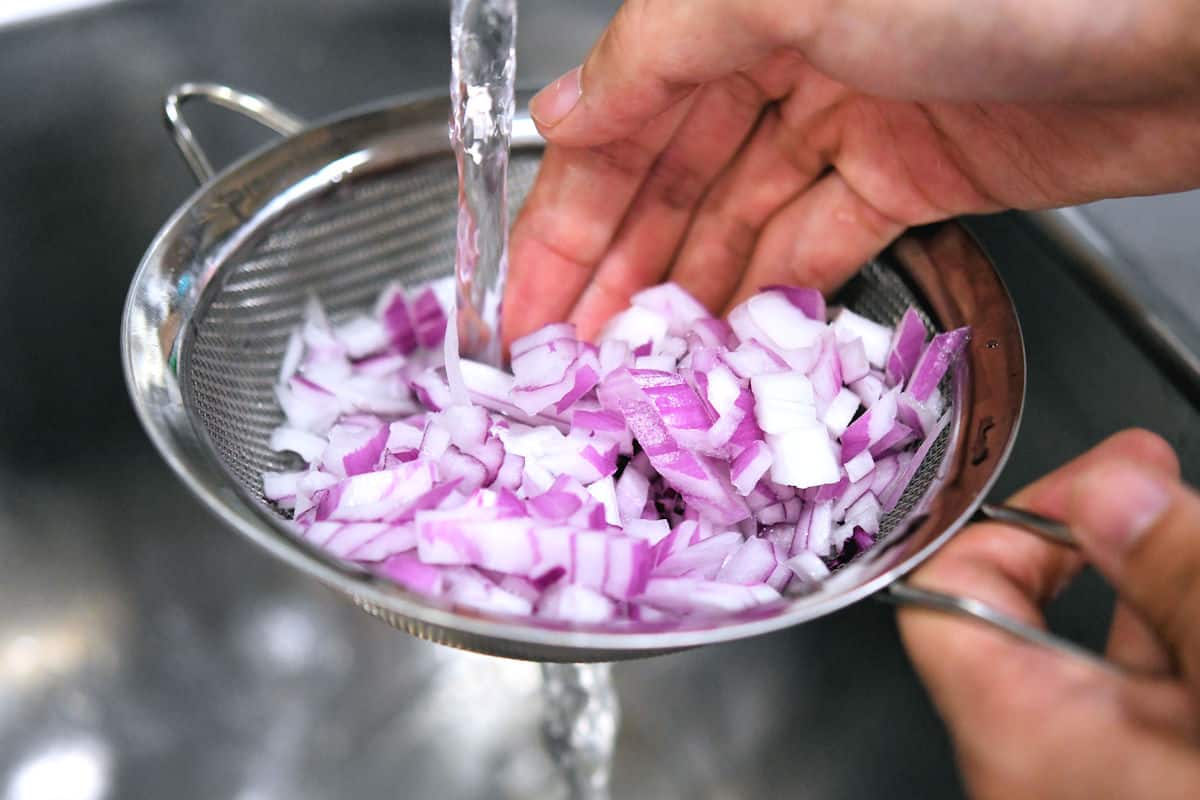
(253, 106)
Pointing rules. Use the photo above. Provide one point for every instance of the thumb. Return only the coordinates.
(651, 56)
(1142, 531)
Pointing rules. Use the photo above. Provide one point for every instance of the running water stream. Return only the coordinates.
(580, 715)
(483, 67)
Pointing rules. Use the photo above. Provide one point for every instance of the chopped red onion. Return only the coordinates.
(869, 389)
(413, 574)
(810, 301)
(937, 357)
(470, 588)
(671, 302)
(428, 320)
(748, 466)
(702, 558)
(397, 320)
(871, 427)
(280, 487)
(854, 360)
(876, 338)
(291, 357)
(784, 325)
(860, 466)
(362, 336)
(841, 411)
(376, 495)
(636, 327)
(308, 446)
(687, 595)
(558, 331)
(803, 457)
(751, 563)
(686, 465)
(573, 602)
(907, 341)
(808, 567)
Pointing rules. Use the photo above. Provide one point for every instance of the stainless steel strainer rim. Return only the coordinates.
(221, 212)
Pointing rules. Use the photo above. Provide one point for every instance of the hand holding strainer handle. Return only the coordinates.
(903, 593)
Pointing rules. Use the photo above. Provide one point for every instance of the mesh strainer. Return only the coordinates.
(338, 209)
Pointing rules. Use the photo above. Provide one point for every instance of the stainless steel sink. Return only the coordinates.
(146, 652)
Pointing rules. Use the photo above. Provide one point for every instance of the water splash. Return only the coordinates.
(580, 714)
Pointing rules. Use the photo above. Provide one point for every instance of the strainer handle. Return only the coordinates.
(1051, 530)
(257, 108)
(902, 593)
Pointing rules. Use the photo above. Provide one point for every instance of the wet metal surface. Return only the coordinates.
(146, 652)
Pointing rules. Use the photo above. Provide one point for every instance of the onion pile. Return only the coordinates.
(681, 465)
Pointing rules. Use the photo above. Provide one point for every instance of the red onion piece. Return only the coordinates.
(876, 338)
(937, 357)
(751, 563)
(907, 342)
(810, 301)
(672, 303)
(691, 595)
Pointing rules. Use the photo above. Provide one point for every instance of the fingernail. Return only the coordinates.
(552, 104)
(1121, 505)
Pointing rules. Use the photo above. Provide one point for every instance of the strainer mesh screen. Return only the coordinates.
(343, 248)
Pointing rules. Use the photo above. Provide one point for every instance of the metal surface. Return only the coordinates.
(905, 594)
(341, 208)
(1100, 265)
(259, 109)
(1048, 529)
(145, 652)
(1154, 241)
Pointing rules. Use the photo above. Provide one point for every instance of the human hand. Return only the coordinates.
(730, 144)
(1030, 722)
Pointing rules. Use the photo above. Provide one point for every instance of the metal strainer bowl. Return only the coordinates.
(339, 209)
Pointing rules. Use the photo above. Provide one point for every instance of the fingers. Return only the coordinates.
(1142, 530)
(722, 115)
(654, 53)
(641, 235)
(892, 169)
(1006, 51)
(820, 239)
(570, 218)
(780, 160)
(1019, 713)
(724, 232)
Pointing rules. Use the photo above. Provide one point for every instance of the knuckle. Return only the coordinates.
(625, 158)
(738, 239)
(746, 93)
(677, 184)
(716, 245)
